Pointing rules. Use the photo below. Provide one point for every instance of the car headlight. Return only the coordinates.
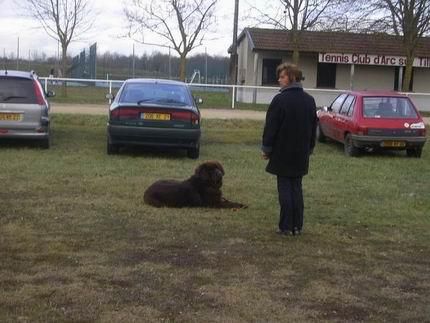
(418, 125)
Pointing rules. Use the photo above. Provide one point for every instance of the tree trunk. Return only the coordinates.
(182, 67)
(296, 56)
(64, 68)
(407, 76)
(296, 53)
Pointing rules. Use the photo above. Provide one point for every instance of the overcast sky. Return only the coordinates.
(107, 31)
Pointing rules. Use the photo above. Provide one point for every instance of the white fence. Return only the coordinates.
(239, 93)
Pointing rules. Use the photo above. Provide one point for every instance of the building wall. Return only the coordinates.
(365, 77)
(343, 77)
(421, 80)
(368, 77)
(242, 61)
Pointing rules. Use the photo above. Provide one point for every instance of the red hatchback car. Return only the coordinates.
(367, 120)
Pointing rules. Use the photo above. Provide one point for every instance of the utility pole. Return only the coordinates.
(17, 56)
(170, 65)
(134, 61)
(206, 65)
(234, 47)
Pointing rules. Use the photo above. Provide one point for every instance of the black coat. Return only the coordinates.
(289, 132)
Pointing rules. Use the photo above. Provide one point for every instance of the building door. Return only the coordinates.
(326, 75)
(269, 71)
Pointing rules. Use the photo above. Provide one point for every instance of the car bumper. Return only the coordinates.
(24, 134)
(387, 142)
(160, 137)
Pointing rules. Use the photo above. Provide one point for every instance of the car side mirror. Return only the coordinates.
(198, 100)
(110, 96)
(50, 94)
(329, 109)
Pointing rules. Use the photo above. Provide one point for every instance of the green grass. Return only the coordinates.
(77, 243)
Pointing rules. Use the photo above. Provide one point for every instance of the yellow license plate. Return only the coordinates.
(156, 116)
(10, 116)
(393, 143)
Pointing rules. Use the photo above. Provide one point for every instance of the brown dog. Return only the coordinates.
(203, 189)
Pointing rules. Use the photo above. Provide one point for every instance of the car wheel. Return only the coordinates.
(350, 149)
(46, 143)
(414, 152)
(320, 135)
(111, 148)
(194, 153)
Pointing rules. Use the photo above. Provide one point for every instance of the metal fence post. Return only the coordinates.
(110, 91)
(233, 97)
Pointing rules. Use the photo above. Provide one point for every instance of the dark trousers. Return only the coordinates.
(291, 202)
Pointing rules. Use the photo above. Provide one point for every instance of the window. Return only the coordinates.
(326, 75)
(155, 93)
(16, 90)
(351, 109)
(335, 106)
(269, 71)
(388, 107)
(346, 105)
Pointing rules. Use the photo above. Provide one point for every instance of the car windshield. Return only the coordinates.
(388, 107)
(16, 90)
(141, 93)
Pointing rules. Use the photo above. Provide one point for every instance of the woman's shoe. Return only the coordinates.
(297, 232)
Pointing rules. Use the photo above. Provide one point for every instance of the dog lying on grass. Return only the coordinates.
(203, 189)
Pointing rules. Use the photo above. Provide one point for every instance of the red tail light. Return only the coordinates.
(195, 118)
(362, 131)
(185, 116)
(38, 92)
(125, 113)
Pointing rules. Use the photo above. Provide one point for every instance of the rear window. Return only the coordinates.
(142, 93)
(388, 107)
(16, 90)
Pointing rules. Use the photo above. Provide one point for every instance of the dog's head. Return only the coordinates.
(211, 172)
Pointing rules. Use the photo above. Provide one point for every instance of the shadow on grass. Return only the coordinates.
(19, 143)
(152, 152)
(371, 153)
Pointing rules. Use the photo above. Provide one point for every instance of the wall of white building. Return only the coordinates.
(366, 77)
(422, 80)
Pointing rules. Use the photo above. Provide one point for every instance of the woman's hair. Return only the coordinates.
(292, 71)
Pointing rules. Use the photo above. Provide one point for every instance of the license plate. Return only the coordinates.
(155, 116)
(393, 143)
(10, 116)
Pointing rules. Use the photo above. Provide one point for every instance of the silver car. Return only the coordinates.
(24, 108)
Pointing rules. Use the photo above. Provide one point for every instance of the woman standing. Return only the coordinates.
(288, 141)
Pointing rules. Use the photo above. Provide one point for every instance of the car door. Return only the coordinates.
(342, 121)
(329, 127)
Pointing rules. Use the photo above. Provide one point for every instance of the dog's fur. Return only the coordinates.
(203, 189)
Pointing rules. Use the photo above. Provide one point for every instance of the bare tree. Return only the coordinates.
(294, 15)
(181, 23)
(409, 19)
(63, 20)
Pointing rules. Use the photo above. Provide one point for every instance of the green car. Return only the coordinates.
(154, 112)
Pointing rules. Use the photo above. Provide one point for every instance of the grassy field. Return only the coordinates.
(77, 243)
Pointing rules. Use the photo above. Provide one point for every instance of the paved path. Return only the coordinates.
(206, 113)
